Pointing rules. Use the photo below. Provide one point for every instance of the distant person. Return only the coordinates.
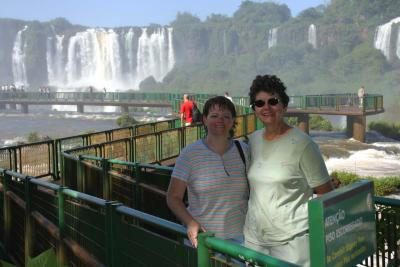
(286, 169)
(228, 96)
(213, 172)
(186, 111)
(361, 95)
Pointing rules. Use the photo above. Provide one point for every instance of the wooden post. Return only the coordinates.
(302, 120)
(79, 108)
(359, 127)
(349, 126)
(24, 108)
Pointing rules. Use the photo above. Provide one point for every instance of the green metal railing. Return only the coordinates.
(91, 231)
(85, 230)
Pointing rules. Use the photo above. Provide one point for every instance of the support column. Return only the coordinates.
(2, 106)
(349, 126)
(12, 106)
(125, 109)
(24, 108)
(359, 127)
(302, 121)
(79, 108)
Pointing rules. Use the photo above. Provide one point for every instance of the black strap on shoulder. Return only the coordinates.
(239, 147)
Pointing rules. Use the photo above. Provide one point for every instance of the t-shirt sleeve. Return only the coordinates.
(313, 166)
(183, 167)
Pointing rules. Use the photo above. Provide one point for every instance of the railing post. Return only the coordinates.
(6, 211)
(61, 255)
(28, 240)
(80, 183)
(203, 253)
(138, 197)
(105, 164)
(111, 245)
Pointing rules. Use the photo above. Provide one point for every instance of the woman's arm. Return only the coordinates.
(324, 188)
(175, 194)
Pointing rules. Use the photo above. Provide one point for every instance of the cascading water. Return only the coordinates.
(130, 56)
(383, 36)
(94, 59)
(54, 57)
(312, 36)
(272, 37)
(105, 58)
(398, 44)
(18, 59)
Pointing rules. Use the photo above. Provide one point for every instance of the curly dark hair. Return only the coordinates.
(223, 103)
(270, 84)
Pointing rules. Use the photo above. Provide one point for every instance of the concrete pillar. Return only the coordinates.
(349, 126)
(303, 122)
(359, 127)
(124, 109)
(24, 108)
(2, 106)
(79, 108)
(12, 106)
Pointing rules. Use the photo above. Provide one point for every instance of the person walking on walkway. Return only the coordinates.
(361, 96)
(186, 111)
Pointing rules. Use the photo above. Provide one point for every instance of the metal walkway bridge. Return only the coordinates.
(299, 106)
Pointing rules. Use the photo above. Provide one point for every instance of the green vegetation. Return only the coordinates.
(383, 186)
(319, 123)
(387, 129)
(33, 137)
(47, 258)
(126, 120)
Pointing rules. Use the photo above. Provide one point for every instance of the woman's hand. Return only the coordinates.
(193, 228)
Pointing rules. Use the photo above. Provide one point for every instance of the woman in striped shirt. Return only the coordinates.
(214, 174)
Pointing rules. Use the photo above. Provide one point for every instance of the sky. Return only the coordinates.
(116, 13)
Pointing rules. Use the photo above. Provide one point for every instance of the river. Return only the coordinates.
(378, 157)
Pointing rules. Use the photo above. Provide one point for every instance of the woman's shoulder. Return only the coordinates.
(299, 137)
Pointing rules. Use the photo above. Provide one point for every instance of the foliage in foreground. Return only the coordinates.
(47, 258)
(383, 186)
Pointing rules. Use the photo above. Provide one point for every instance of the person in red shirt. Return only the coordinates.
(186, 111)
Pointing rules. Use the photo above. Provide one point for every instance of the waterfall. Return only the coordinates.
(382, 37)
(312, 36)
(94, 58)
(272, 37)
(153, 56)
(18, 59)
(171, 55)
(398, 44)
(54, 57)
(129, 52)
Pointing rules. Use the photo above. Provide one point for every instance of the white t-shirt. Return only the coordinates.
(282, 176)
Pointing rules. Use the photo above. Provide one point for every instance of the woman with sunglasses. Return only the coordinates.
(286, 168)
(214, 175)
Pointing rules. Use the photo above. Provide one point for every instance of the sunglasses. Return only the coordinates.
(260, 103)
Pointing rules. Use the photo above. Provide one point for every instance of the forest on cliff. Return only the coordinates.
(225, 53)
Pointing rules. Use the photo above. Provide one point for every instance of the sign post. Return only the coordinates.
(342, 226)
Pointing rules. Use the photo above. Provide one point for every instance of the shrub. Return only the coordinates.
(33, 137)
(126, 120)
(319, 123)
(383, 186)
